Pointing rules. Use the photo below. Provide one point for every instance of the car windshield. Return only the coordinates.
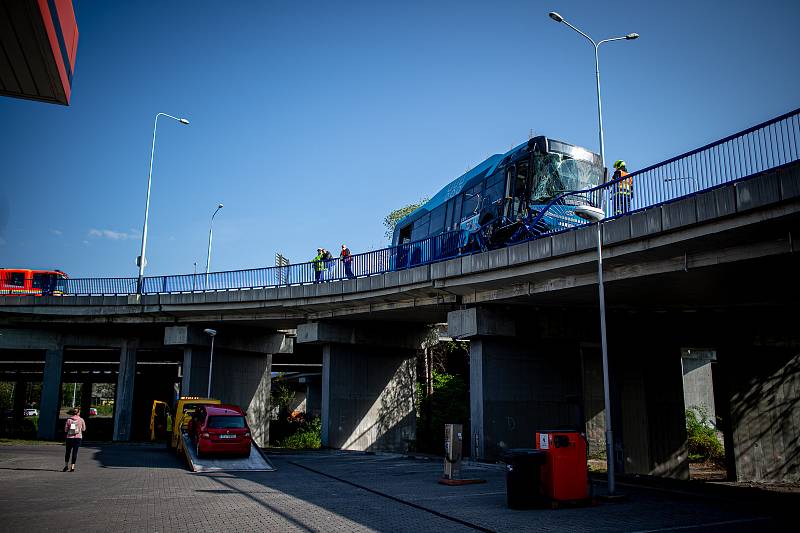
(226, 422)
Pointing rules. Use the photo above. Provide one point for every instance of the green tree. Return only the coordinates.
(397, 215)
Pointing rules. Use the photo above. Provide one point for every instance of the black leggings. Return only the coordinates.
(72, 445)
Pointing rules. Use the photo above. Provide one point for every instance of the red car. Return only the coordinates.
(220, 429)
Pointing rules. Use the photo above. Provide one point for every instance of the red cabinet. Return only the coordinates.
(565, 476)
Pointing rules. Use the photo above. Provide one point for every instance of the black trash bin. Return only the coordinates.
(524, 477)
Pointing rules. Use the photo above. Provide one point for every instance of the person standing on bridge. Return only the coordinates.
(623, 192)
(347, 259)
(73, 429)
(319, 267)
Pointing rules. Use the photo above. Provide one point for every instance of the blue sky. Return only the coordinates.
(312, 120)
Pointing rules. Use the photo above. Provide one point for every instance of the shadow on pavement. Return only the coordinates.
(135, 456)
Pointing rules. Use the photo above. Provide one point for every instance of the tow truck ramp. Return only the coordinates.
(255, 462)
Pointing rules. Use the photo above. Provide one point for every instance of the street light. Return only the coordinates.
(211, 333)
(210, 235)
(595, 214)
(631, 36)
(141, 261)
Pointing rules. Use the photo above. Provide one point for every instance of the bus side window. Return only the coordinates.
(437, 220)
(15, 279)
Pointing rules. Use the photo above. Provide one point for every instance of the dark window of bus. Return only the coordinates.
(472, 199)
(420, 230)
(16, 279)
(448, 218)
(42, 281)
(493, 198)
(437, 221)
(457, 211)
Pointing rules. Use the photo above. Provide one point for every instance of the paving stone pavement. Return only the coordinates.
(143, 488)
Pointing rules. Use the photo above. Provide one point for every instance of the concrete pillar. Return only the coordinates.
(195, 371)
(518, 383)
(51, 392)
(368, 383)
(123, 404)
(86, 398)
(313, 397)
(648, 411)
(698, 382)
(368, 397)
(244, 379)
(516, 389)
(18, 405)
(763, 387)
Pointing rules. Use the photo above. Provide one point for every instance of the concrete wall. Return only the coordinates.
(368, 397)
(765, 412)
(244, 379)
(517, 388)
(698, 381)
(239, 378)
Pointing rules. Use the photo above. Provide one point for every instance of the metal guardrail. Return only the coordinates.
(766, 146)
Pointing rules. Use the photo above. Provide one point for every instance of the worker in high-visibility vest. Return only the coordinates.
(623, 190)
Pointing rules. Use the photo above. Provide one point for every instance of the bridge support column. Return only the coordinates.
(123, 404)
(244, 379)
(86, 398)
(762, 388)
(368, 383)
(518, 385)
(20, 391)
(51, 392)
(242, 372)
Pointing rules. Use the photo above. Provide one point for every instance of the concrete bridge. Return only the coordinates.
(711, 273)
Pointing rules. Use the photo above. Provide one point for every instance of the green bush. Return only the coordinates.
(307, 436)
(704, 445)
(447, 405)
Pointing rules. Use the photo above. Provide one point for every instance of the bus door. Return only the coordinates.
(517, 191)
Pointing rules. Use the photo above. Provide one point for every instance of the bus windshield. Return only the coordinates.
(557, 173)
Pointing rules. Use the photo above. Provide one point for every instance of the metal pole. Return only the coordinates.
(599, 103)
(74, 386)
(140, 281)
(606, 386)
(210, 237)
(147, 210)
(210, 366)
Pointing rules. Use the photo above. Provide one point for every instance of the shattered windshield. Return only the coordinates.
(557, 173)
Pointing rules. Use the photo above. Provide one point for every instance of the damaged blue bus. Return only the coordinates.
(505, 199)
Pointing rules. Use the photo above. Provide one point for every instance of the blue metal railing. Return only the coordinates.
(762, 147)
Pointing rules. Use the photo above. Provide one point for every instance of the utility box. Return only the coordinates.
(452, 451)
(565, 476)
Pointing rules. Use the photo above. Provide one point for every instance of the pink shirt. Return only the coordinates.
(81, 427)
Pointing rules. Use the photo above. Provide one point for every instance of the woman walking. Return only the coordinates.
(73, 429)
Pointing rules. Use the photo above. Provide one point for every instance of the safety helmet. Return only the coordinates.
(619, 163)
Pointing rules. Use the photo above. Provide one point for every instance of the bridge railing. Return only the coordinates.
(768, 145)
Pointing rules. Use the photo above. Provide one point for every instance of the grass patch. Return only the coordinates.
(307, 437)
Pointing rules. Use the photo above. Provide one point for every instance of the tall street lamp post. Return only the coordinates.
(141, 259)
(211, 333)
(210, 236)
(595, 214)
(558, 18)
